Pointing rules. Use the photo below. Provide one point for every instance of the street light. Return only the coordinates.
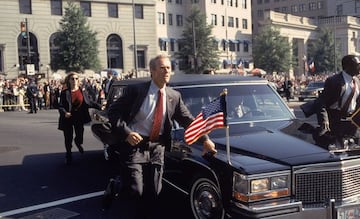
(134, 37)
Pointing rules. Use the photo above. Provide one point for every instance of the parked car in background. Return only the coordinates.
(312, 90)
(268, 164)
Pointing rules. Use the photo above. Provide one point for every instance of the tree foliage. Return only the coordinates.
(198, 32)
(271, 51)
(78, 46)
(323, 52)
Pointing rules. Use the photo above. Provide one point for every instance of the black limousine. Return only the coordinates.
(272, 166)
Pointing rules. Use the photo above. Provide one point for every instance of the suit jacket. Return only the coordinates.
(334, 90)
(124, 110)
(65, 105)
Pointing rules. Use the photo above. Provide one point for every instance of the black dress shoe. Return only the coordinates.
(81, 149)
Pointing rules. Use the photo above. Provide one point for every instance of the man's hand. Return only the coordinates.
(209, 147)
(324, 127)
(134, 138)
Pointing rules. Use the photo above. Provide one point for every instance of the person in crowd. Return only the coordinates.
(288, 88)
(143, 144)
(32, 95)
(341, 100)
(73, 110)
(21, 101)
(46, 89)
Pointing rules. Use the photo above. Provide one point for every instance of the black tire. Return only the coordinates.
(205, 200)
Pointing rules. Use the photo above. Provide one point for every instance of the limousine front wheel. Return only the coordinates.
(205, 200)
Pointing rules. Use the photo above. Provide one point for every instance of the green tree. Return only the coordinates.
(271, 51)
(198, 44)
(78, 47)
(322, 51)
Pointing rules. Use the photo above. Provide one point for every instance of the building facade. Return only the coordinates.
(300, 20)
(123, 26)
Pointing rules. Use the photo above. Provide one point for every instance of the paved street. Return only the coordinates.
(35, 182)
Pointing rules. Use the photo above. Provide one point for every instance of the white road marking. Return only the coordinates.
(50, 204)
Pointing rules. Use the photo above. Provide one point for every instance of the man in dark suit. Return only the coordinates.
(142, 152)
(341, 99)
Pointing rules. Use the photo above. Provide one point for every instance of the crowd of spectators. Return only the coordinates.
(13, 93)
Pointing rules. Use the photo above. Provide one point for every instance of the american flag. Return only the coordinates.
(211, 117)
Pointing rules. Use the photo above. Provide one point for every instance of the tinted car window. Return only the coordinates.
(244, 103)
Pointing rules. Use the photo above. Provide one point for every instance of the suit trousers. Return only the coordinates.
(141, 175)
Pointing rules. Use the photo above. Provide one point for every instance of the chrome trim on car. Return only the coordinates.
(318, 183)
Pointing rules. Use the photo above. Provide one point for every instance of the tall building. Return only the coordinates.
(299, 21)
(122, 26)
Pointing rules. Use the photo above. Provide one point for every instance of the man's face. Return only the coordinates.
(354, 69)
(161, 74)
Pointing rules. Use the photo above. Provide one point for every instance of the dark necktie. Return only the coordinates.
(345, 108)
(158, 115)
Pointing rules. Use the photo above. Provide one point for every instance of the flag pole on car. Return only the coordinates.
(211, 117)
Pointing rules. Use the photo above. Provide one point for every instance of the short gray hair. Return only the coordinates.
(154, 60)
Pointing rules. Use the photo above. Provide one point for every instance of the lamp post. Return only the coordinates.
(134, 38)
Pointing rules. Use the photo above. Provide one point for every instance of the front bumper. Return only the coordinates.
(295, 210)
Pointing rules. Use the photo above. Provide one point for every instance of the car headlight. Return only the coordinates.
(261, 187)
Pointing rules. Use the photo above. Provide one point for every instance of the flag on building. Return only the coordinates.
(312, 66)
(211, 117)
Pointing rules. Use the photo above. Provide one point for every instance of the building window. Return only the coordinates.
(244, 24)
(222, 2)
(213, 1)
(312, 6)
(179, 20)
(161, 18)
(56, 7)
(320, 5)
(141, 58)
(339, 10)
(163, 45)
(194, 1)
(213, 19)
(86, 7)
(223, 20)
(170, 19)
(54, 48)
(244, 4)
(266, 1)
(259, 2)
(139, 11)
(113, 10)
(114, 52)
(284, 9)
(178, 2)
(246, 46)
(172, 45)
(237, 22)
(294, 8)
(230, 3)
(25, 6)
(302, 7)
(260, 13)
(231, 22)
(231, 46)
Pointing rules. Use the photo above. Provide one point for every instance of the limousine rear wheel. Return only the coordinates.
(205, 200)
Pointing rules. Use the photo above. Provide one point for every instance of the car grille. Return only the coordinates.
(321, 182)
